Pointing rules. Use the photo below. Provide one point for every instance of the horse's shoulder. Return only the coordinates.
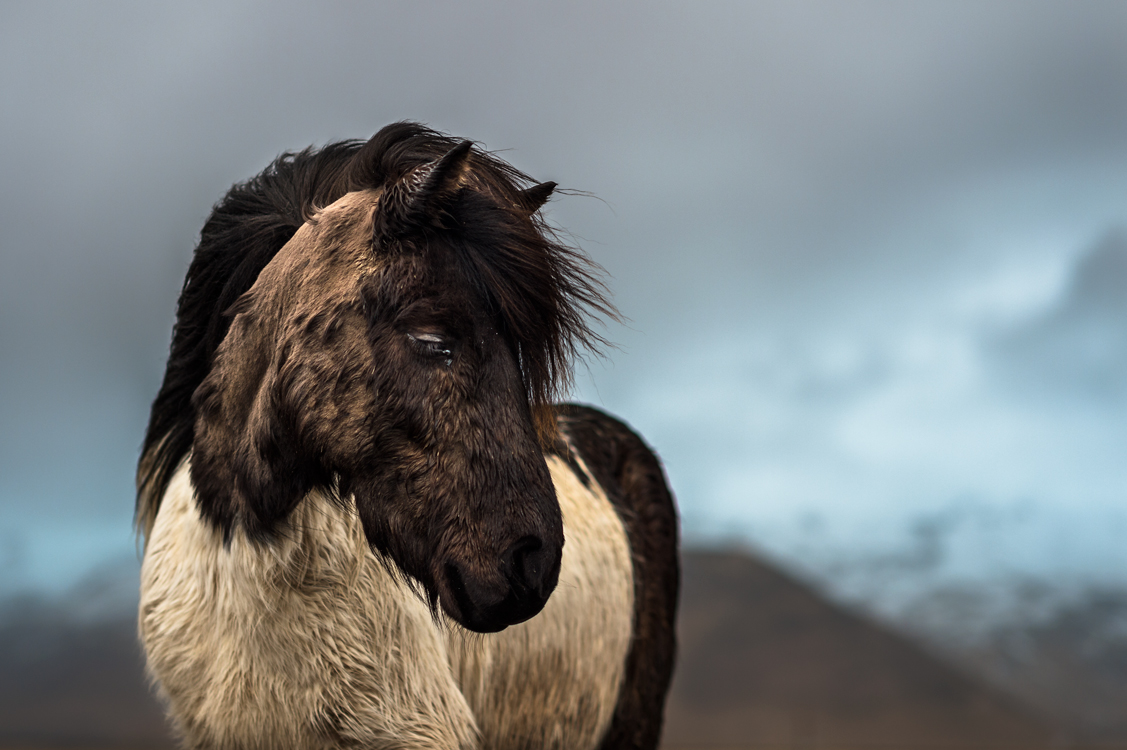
(627, 469)
(632, 477)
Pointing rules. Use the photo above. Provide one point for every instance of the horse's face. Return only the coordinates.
(458, 491)
(389, 374)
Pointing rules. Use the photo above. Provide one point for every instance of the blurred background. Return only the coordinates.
(873, 257)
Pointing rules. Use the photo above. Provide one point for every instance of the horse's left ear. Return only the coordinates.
(533, 199)
(417, 199)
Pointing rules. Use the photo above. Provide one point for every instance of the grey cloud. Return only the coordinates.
(1080, 344)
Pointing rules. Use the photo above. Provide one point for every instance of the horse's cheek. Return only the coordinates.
(330, 398)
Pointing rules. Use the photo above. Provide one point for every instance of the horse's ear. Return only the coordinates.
(417, 199)
(246, 467)
(533, 199)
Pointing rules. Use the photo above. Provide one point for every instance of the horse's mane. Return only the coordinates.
(542, 288)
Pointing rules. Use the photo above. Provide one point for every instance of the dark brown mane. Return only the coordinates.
(542, 290)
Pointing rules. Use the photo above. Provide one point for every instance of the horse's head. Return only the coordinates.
(402, 350)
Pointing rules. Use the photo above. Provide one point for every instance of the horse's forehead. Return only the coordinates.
(330, 251)
(349, 202)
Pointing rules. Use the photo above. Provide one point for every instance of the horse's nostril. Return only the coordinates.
(526, 565)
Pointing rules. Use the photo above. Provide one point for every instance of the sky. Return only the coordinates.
(871, 253)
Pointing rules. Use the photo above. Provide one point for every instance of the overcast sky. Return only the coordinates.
(872, 254)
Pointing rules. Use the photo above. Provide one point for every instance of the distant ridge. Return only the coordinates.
(74, 683)
(767, 662)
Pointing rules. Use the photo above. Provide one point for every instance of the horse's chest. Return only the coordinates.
(310, 643)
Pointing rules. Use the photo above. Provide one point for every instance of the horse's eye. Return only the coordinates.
(433, 345)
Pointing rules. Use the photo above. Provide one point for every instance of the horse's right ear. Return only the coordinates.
(246, 467)
(418, 198)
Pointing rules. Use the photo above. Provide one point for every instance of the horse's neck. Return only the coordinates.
(250, 640)
(321, 546)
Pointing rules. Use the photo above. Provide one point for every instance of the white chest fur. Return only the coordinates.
(311, 643)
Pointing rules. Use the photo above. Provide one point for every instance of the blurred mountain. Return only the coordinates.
(764, 661)
(72, 680)
(1062, 651)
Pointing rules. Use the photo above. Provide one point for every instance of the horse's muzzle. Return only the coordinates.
(516, 591)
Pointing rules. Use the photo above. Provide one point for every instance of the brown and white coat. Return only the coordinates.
(353, 464)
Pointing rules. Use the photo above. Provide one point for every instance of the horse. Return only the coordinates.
(367, 523)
